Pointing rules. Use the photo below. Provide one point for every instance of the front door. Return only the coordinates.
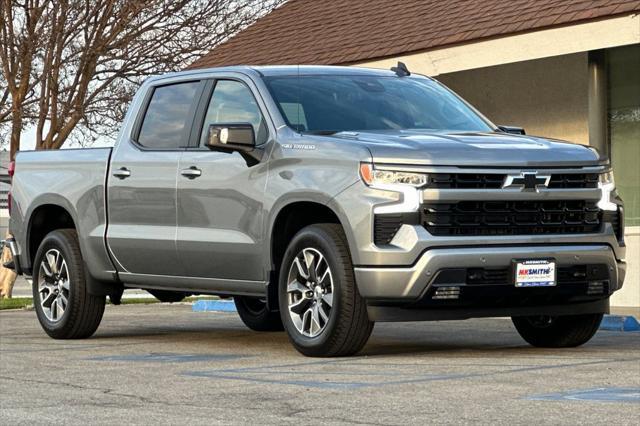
(142, 183)
(220, 207)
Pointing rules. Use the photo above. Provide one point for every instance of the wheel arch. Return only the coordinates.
(290, 218)
(43, 219)
(53, 215)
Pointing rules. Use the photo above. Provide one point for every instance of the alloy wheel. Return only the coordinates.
(310, 292)
(53, 285)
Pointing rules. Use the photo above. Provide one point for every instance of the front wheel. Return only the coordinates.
(321, 309)
(558, 332)
(63, 305)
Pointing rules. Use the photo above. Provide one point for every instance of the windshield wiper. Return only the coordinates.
(321, 132)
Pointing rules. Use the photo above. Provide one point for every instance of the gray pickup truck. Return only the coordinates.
(322, 199)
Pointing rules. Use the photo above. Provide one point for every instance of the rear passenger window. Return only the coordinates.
(166, 117)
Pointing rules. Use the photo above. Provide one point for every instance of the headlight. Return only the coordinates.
(404, 183)
(607, 185)
(606, 178)
(373, 177)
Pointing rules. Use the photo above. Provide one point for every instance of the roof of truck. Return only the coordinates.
(318, 69)
(281, 70)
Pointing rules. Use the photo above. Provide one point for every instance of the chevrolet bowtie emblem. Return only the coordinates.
(527, 181)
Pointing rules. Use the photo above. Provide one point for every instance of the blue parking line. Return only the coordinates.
(214, 306)
(619, 323)
(598, 394)
(169, 357)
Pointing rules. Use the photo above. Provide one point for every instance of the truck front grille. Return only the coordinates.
(496, 180)
(465, 181)
(571, 180)
(511, 217)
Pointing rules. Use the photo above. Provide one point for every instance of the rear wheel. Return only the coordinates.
(255, 314)
(64, 307)
(168, 296)
(558, 332)
(321, 309)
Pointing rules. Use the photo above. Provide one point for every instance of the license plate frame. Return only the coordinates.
(547, 277)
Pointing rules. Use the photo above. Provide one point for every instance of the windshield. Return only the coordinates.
(334, 103)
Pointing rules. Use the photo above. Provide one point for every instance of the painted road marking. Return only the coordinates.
(168, 357)
(596, 394)
(347, 374)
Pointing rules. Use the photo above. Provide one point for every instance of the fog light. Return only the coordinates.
(596, 287)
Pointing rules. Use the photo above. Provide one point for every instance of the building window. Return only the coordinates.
(624, 126)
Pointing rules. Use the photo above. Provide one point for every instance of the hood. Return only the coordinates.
(472, 149)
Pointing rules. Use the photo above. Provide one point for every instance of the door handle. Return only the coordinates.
(191, 173)
(122, 173)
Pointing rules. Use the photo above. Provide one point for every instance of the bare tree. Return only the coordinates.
(21, 23)
(70, 67)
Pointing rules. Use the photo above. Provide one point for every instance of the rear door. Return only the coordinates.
(220, 209)
(142, 183)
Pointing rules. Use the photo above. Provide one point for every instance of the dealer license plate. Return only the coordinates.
(535, 273)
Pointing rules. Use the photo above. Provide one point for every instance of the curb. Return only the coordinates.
(213, 306)
(619, 323)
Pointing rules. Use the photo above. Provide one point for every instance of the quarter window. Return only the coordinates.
(166, 118)
(233, 103)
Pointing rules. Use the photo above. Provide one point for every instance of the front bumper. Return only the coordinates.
(410, 284)
(442, 283)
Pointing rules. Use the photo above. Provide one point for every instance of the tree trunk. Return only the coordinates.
(7, 276)
(16, 131)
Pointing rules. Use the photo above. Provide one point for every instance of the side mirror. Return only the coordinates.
(238, 137)
(512, 129)
(231, 137)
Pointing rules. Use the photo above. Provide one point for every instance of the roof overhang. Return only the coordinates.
(601, 34)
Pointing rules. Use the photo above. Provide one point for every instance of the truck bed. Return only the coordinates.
(71, 178)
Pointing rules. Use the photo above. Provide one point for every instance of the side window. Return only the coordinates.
(294, 112)
(233, 102)
(167, 114)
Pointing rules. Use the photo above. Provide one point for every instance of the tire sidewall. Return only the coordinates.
(56, 240)
(563, 331)
(312, 237)
(242, 305)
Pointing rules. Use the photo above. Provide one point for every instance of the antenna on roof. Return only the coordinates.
(401, 70)
(299, 105)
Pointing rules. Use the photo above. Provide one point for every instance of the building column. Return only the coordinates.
(598, 129)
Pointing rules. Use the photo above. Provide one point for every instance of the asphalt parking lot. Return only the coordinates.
(164, 364)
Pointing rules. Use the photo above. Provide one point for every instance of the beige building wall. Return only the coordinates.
(629, 296)
(548, 97)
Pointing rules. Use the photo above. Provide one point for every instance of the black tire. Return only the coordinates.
(347, 328)
(83, 311)
(168, 296)
(254, 314)
(558, 332)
